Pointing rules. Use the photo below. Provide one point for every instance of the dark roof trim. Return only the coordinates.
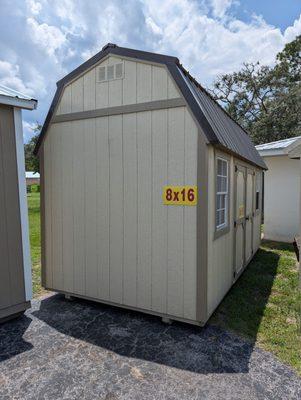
(192, 103)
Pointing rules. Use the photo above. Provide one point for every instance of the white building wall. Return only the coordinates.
(281, 198)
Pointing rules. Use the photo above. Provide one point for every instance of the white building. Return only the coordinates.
(281, 190)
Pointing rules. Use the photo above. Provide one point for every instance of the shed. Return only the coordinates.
(149, 194)
(15, 264)
(281, 190)
(32, 178)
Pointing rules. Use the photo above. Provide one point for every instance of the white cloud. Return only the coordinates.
(48, 37)
(205, 35)
(292, 31)
(219, 7)
(10, 77)
(34, 6)
(28, 130)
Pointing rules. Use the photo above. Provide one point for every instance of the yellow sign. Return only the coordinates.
(241, 211)
(180, 195)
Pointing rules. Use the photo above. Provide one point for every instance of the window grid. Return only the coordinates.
(221, 193)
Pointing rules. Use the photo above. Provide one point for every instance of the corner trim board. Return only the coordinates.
(23, 202)
(127, 109)
(202, 236)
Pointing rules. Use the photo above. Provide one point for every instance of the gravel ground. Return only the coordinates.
(84, 350)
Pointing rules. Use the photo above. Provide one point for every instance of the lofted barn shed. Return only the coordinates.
(151, 193)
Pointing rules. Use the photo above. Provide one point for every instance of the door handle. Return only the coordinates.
(247, 218)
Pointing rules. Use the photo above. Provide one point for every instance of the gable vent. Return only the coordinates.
(110, 72)
(101, 74)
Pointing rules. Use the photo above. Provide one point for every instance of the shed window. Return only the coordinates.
(258, 184)
(221, 193)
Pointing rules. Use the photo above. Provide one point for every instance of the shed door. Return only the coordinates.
(249, 215)
(239, 219)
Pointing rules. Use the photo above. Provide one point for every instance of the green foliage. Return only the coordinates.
(35, 241)
(264, 304)
(266, 101)
(31, 161)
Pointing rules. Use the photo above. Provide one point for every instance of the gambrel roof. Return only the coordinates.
(219, 128)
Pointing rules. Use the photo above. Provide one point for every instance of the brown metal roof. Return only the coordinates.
(220, 129)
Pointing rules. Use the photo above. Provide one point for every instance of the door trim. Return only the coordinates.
(239, 167)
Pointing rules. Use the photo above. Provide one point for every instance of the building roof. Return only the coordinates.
(32, 175)
(278, 148)
(14, 98)
(218, 127)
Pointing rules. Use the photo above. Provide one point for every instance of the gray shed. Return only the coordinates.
(151, 193)
(15, 264)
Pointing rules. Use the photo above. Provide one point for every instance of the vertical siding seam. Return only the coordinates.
(109, 209)
(6, 223)
(122, 83)
(167, 176)
(72, 204)
(137, 194)
(96, 202)
(136, 77)
(184, 213)
(151, 213)
(122, 160)
(85, 214)
(152, 82)
(97, 210)
(82, 92)
(61, 207)
(51, 201)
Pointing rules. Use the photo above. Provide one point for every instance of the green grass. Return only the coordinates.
(35, 240)
(264, 304)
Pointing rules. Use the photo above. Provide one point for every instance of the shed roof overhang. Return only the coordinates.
(17, 102)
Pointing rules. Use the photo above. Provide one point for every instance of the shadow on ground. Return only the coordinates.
(201, 350)
(11, 337)
(243, 307)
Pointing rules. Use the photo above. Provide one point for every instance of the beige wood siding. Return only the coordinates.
(141, 83)
(108, 235)
(12, 289)
(220, 249)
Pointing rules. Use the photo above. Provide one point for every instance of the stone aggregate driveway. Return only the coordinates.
(84, 350)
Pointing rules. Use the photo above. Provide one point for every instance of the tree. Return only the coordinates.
(31, 161)
(266, 101)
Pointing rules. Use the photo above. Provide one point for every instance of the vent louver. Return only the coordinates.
(110, 72)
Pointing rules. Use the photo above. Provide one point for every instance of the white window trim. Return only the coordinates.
(226, 193)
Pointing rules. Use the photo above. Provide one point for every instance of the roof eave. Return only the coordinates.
(18, 102)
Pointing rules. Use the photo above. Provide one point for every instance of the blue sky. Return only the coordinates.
(43, 40)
